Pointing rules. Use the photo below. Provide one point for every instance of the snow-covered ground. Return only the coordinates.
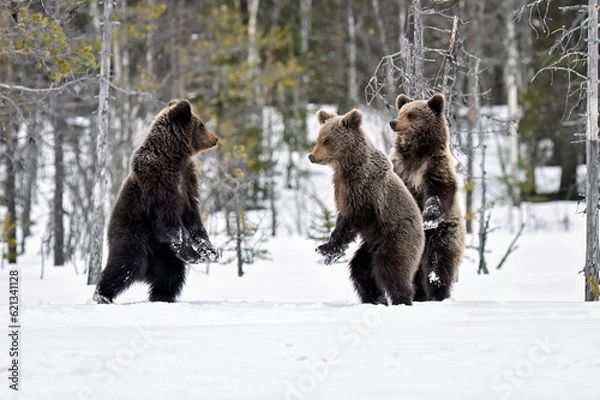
(292, 328)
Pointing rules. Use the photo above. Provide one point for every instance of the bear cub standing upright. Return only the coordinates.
(374, 203)
(421, 157)
(155, 226)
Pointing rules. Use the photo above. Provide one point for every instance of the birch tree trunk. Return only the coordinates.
(403, 45)
(352, 75)
(473, 10)
(418, 50)
(100, 188)
(592, 257)
(380, 27)
(483, 222)
(511, 79)
(450, 59)
(176, 10)
(305, 24)
(122, 143)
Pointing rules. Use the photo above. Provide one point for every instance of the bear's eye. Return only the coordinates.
(326, 141)
(201, 126)
(410, 115)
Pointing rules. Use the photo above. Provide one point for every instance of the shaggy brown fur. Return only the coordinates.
(374, 203)
(422, 158)
(155, 226)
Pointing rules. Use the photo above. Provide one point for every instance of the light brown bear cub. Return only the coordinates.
(374, 203)
(422, 158)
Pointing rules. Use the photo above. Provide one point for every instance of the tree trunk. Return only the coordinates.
(57, 204)
(252, 22)
(121, 145)
(100, 195)
(511, 79)
(10, 195)
(176, 11)
(380, 27)
(305, 24)
(352, 74)
(10, 186)
(29, 181)
(450, 59)
(472, 47)
(483, 222)
(238, 235)
(403, 45)
(418, 50)
(592, 253)
(341, 62)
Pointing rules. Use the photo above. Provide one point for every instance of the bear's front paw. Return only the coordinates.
(187, 254)
(206, 250)
(330, 252)
(432, 213)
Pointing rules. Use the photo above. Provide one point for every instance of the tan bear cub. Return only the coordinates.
(372, 203)
(155, 226)
(421, 157)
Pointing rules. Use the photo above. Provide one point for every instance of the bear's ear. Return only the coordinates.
(180, 111)
(437, 103)
(353, 119)
(323, 116)
(402, 100)
(172, 102)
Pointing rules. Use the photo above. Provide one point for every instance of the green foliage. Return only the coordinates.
(38, 39)
(233, 91)
(141, 18)
(322, 225)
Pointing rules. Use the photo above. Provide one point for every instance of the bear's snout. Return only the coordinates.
(311, 158)
(393, 124)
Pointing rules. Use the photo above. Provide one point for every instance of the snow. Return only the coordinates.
(292, 328)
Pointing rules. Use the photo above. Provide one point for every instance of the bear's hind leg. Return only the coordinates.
(420, 285)
(440, 264)
(122, 269)
(166, 276)
(361, 273)
(394, 276)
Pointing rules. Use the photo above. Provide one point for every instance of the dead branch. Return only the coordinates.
(512, 247)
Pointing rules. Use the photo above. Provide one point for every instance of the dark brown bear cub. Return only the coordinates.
(422, 158)
(155, 226)
(374, 203)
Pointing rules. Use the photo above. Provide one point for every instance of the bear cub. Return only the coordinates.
(155, 227)
(421, 157)
(374, 203)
